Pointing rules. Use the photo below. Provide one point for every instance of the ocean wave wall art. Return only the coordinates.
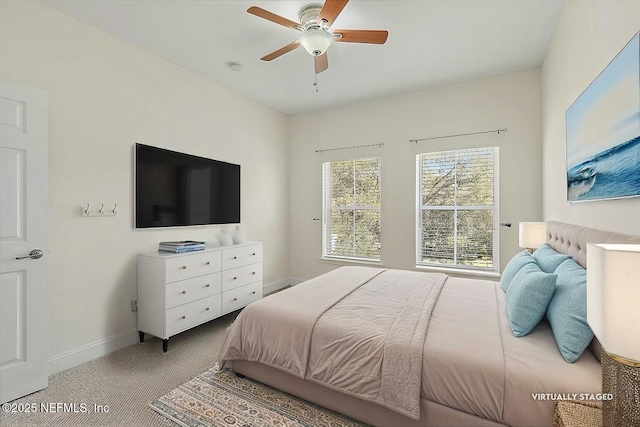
(603, 132)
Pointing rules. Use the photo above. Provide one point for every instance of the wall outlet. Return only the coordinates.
(134, 305)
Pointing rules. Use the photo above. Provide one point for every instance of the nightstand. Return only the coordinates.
(577, 414)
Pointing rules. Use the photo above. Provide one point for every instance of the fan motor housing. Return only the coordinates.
(309, 15)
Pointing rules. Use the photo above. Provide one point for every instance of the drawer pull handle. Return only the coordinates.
(235, 299)
(207, 308)
(207, 285)
(184, 267)
(253, 272)
(184, 292)
(235, 278)
(253, 254)
(253, 293)
(207, 263)
(235, 257)
(184, 317)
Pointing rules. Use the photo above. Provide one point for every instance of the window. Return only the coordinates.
(351, 209)
(457, 208)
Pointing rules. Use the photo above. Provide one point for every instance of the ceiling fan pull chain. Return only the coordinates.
(315, 82)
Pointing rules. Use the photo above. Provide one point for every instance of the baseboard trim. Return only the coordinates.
(78, 356)
(279, 284)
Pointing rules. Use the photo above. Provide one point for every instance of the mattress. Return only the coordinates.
(474, 371)
(472, 362)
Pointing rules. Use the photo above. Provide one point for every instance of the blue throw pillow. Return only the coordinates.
(517, 262)
(548, 259)
(567, 311)
(528, 296)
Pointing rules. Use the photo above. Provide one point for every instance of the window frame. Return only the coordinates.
(455, 208)
(327, 208)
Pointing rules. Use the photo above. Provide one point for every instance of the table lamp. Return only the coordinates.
(532, 235)
(613, 313)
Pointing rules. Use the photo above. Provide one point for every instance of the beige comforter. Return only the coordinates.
(358, 330)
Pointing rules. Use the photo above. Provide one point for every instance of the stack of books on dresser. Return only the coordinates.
(181, 246)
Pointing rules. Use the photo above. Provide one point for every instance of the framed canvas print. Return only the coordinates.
(603, 132)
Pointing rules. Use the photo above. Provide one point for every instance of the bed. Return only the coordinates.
(450, 359)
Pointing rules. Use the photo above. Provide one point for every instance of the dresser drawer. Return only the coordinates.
(185, 291)
(192, 265)
(241, 276)
(239, 297)
(189, 315)
(237, 257)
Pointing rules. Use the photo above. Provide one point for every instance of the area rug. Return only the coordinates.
(219, 398)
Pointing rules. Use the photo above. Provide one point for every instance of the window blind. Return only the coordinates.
(457, 208)
(351, 213)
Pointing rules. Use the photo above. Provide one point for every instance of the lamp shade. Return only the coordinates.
(532, 234)
(613, 297)
(316, 41)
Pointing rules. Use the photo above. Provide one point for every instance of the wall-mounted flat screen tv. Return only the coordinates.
(175, 189)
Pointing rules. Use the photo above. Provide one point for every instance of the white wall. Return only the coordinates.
(104, 96)
(589, 35)
(511, 101)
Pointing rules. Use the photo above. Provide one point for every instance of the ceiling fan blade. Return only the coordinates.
(321, 62)
(269, 16)
(362, 36)
(331, 10)
(281, 51)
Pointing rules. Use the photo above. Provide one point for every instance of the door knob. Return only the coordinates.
(34, 254)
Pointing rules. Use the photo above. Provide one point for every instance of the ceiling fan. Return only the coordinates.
(315, 21)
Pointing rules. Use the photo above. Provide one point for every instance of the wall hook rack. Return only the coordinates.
(88, 211)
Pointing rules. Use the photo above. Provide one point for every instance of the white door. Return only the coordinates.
(24, 228)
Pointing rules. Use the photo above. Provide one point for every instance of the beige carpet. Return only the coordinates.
(126, 381)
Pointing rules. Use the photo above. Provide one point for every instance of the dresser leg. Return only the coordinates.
(165, 344)
(141, 336)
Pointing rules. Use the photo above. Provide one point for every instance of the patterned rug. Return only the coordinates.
(219, 398)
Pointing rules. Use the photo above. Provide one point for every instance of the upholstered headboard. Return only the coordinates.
(572, 239)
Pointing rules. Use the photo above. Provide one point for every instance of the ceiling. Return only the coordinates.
(431, 43)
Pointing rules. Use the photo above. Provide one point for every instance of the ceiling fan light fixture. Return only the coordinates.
(316, 41)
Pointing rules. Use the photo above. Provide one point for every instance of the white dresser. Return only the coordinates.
(179, 291)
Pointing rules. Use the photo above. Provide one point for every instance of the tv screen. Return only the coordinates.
(175, 189)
